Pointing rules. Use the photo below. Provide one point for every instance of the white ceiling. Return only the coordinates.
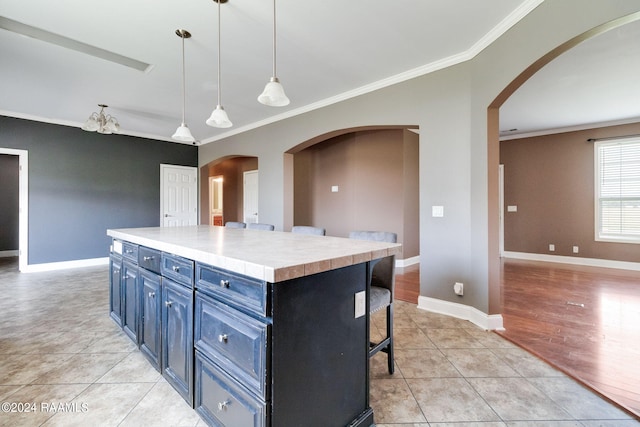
(327, 51)
(596, 82)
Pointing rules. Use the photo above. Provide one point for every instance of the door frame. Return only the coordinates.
(23, 205)
(164, 166)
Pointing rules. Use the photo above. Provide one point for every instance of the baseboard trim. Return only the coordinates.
(592, 262)
(52, 266)
(402, 263)
(461, 311)
(7, 254)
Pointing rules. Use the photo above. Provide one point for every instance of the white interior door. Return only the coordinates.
(23, 205)
(250, 199)
(178, 195)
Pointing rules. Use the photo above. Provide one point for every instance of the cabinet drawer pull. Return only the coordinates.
(223, 405)
(176, 268)
(168, 303)
(223, 338)
(147, 258)
(152, 294)
(128, 251)
(224, 283)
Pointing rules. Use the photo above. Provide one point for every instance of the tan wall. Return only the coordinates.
(377, 177)
(232, 170)
(551, 181)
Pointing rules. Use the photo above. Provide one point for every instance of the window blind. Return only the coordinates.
(618, 190)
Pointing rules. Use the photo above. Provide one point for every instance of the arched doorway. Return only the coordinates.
(602, 385)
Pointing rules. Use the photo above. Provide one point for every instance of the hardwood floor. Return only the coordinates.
(585, 321)
(408, 283)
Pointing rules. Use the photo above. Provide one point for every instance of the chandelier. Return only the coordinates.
(98, 122)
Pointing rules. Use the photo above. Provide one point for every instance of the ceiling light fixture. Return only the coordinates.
(219, 118)
(273, 94)
(183, 133)
(101, 123)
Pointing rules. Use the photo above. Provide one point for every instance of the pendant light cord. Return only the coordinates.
(274, 38)
(184, 90)
(219, 96)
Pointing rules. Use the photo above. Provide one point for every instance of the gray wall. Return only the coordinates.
(82, 183)
(9, 202)
(450, 108)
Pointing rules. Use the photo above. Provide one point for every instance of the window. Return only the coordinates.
(617, 164)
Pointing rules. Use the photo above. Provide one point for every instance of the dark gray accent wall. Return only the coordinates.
(83, 183)
(9, 195)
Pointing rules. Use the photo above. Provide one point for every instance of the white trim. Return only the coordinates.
(23, 204)
(7, 254)
(63, 265)
(502, 27)
(553, 131)
(592, 262)
(461, 311)
(402, 263)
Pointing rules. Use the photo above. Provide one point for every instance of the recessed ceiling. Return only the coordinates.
(327, 51)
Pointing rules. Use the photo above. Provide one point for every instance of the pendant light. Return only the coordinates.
(183, 133)
(219, 118)
(273, 94)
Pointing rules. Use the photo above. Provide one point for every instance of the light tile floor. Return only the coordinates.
(63, 358)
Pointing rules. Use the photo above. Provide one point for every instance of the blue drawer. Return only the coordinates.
(242, 292)
(221, 401)
(235, 341)
(177, 268)
(149, 259)
(130, 251)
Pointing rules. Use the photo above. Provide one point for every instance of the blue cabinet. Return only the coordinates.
(115, 286)
(150, 316)
(177, 337)
(246, 352)
(130, 299)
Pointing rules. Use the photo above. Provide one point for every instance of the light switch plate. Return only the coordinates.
(512, 208)
(335, 188)
(437, 211)
(360, 306)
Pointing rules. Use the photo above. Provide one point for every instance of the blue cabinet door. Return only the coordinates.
(150, 316)
(130, 300)
(115, 285)
(177, 337)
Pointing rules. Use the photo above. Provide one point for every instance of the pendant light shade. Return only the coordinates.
(273, 94)
(219, 117)
(183, 133)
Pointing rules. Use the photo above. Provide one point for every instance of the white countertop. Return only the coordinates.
(272, 256)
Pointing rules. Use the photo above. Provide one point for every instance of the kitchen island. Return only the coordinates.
(251, 327)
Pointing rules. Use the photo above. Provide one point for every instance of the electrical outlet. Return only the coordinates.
(576, 249)
(552, 247)
(458, 288)
(360, 305)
